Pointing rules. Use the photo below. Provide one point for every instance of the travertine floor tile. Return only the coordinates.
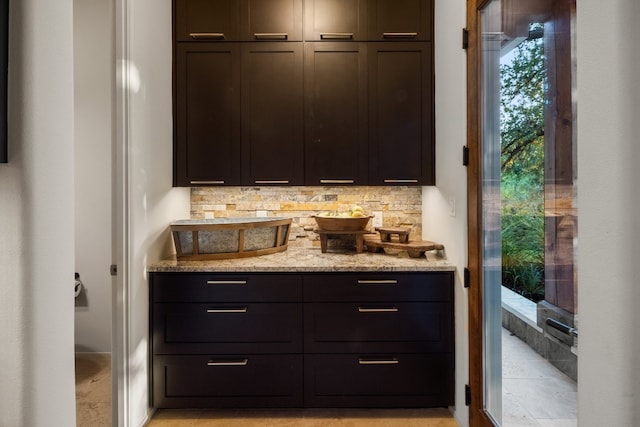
(93, 390)
(306, 418)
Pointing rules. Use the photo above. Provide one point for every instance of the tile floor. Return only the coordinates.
(305, 418)
(535, 394)
(93, 390)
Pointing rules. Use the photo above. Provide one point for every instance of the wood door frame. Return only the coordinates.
(477, 415)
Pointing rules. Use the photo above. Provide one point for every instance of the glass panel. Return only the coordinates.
(491, 40)
(529, 216)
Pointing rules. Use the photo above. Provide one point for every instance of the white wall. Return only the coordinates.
(36, 221)
(609, 205)
(93, 78)
(451, 176)
(151, 202)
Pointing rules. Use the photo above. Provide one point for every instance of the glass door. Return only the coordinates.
(523, 217)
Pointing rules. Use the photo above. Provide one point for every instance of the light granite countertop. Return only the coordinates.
(312, 260)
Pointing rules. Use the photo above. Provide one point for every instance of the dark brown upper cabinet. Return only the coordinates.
(207, 114)
(401, 135)
(207, 20)
(272, 110)
(238, 20)
(271, 20)
(397, 20)
(351, 104)
(333, 20)
(336, 145)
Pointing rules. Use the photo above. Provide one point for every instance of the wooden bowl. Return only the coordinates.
(335, 223)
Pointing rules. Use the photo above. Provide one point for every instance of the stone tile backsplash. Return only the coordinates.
(400, 206)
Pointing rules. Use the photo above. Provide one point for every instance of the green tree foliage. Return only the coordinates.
(522, 164)
(522, 111)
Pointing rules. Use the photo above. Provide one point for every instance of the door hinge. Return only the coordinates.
(113, 269)
(465, 156)
(467, 394)
(467, 278)
(465, 39)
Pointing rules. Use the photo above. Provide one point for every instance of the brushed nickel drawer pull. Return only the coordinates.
(226, 282)
(377, 282)
(336, 181)
(336, 36)
(271, 36)
(227, 310)
(399, 35)
(211, 36)
(400, 181)
(272, 182)
(240, 362)
(378, 310)
(206, 182)
(365, 361)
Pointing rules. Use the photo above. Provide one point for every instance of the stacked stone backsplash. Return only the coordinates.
(400, 206)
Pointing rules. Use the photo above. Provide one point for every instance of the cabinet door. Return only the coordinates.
(272, 130)
(335, 20)
(400, 19)
(336, 143)
(271, 20)
(207, 20)
(401, 149)
(207, 114)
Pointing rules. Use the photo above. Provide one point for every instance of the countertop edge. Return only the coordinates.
(309, 261)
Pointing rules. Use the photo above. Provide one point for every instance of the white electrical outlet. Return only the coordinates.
(261, 214)
(377, 219)
(452, 206)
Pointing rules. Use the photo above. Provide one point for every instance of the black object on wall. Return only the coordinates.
(4, 62)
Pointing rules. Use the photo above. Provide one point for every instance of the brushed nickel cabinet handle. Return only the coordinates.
(367, 361)
(377, 282)
(401, 181)
(208, 36)
(272, 182)
(238, 362)
(227, 310)
(399, 35)
(206, 182)
(336, 36)
(226, 282)
(378, 310)
(337, 181)
(271, 36)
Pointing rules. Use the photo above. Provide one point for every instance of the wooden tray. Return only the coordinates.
(415, 248)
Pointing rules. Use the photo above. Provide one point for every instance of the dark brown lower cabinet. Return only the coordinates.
(302, 340)
(205, 381)
(378, 380)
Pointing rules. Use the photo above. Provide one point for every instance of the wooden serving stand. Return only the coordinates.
(415, 248)
(359, 235)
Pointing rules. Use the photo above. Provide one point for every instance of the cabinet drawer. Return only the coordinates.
(404, 380)
(227, 328)
(378, 328)
(227, 381)
(203, 287)
(363, 287)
